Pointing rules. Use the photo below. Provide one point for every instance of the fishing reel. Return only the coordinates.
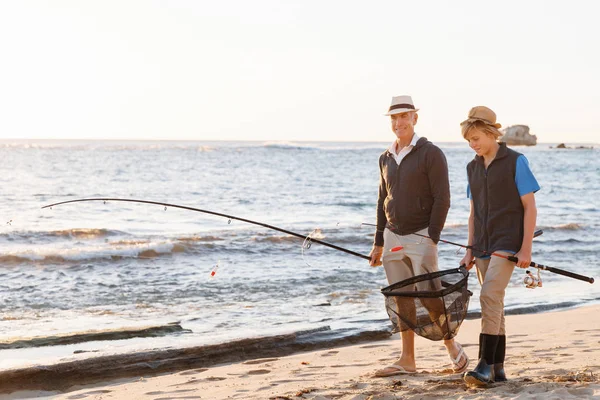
(531, 281)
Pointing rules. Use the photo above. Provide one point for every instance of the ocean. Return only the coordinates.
(107, 267)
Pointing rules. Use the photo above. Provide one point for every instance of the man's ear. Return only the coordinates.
(415, 118)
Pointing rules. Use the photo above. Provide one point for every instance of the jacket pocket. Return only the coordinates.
(424, 205)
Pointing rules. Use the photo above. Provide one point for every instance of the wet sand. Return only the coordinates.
(552, 355)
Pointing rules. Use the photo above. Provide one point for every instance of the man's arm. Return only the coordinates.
(439, 185)
(381, 218)
(377, 250)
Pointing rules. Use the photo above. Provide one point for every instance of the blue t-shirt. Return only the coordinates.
(524, 179)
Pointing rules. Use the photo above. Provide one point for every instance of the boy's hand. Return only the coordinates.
(524, 256)
(468, 260)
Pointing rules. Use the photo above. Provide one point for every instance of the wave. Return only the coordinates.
(288, 146)
(455, 225)
(572, 226)
(94, 335)
(111, 252)
(79, 233)
(354, 204)
(117, 145)
(200, 239)
(75, 233)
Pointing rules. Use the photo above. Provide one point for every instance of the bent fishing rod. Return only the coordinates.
(230, 217)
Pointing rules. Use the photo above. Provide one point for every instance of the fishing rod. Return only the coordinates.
(515, 259)
(531, 264)
(307, 238)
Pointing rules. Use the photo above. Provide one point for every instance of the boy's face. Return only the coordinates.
(480, 141)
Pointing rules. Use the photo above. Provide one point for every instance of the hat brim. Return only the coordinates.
(496, 125)
(401, 111)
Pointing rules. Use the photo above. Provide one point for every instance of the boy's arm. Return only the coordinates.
(467, 260)
(529, 220)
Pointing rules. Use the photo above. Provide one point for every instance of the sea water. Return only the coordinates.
(99, 266)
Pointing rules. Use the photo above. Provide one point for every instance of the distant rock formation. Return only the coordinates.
(518, 135)
(562, 146)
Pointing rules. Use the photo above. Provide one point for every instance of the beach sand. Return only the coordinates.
(553, 355)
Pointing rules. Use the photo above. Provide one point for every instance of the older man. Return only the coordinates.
(414, 197)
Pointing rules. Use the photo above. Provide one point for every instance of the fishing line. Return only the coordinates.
(308, 243)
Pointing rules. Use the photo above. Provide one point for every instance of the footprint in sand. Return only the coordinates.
(173, 391)
(259, 372)
(330, 353)
(191, 381)
(372, 346)
(287, 381)
(358, 385)
(260, 361)
(351, 365)
(214, 378)
(84, 395)
(178, 398)
(194, 371)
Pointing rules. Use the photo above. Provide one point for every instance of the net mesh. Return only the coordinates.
(432, 305)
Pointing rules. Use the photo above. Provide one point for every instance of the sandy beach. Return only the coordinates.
(553, 355)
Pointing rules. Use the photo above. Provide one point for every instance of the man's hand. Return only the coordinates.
(468, 260)
(524, 256)
(375, 255)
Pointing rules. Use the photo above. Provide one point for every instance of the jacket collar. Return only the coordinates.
(502, 152)
(420, 143)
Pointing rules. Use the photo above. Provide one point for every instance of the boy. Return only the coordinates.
(502, 220)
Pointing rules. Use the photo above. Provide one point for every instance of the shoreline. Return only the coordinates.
(294, 341)
(553, 354)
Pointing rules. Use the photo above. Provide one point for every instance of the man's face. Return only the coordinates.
(403, 124)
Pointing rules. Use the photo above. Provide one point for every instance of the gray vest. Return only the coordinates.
(498, 210)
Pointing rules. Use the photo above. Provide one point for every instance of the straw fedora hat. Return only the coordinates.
(401, 104)
(483, 114)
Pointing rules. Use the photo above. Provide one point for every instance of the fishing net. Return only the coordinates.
(432, 305)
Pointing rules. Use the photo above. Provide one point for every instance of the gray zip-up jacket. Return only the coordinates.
(415, 194)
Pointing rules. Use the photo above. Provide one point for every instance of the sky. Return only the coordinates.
(294, 70)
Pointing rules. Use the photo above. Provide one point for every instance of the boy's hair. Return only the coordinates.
(482, 126)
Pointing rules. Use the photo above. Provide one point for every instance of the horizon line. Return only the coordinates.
(245, 141)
